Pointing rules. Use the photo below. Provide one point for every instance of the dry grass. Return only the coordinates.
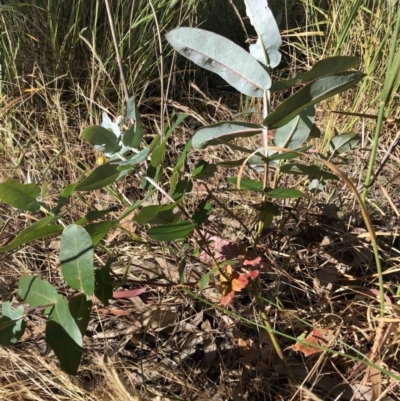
(174, 342)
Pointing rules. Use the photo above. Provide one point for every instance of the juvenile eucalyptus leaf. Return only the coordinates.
(172, 231)
(218, 54)
(182, 157)
(310, 171)
(41, 229)
(296, 131)
(80, 307)
(101, 139)
(204, 170)
(220, 133)
(98, 231)
(265, 50)
(267, 207)
(343, 143)
(135, 159)
(102, 176)
(76, 257)
(328, 66)
(202, 213)
(64, 197)
(284, 193)
(12, 325)
(134, 135)
(96, 214)
(36, 292)
(247, 184)
(20, 196)
(104, 289)
(150, 214)
(310, 95)
(64, 336)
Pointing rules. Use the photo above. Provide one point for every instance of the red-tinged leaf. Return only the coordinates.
(252, 262)
(129, 293)
(227, 298)
(222, 248)
(253, 274)
(317, 337)
(239, 283)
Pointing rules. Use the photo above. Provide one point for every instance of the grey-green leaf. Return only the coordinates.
(310, 171)
(269, 39)
(220, 133)
(343, 143)
(310, 95)
(296, 131)
(76, 257)
(36, 292)
(218, 54)
(20, 196)
(247, 184)
(102, 139)
(64, 336)
(12, 325)
(133, 136)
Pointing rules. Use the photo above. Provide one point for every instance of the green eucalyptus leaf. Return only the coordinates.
(206, 278)
(101, 139)
(202, 212)
(221, 133)
(247, 184)
(95, 215)
(265, 50)
(150, 214)
(267, 207)
(296, 131)
(64, 197)
(218, 54)
(98, 231)
(310, 171)
(77, 258)
(20, 196)
(204, 170)
(36, 292)
(41, 229)
(158, 155)
(172, 231)
(182, 157)
(64, 336)
(310, 95)
(104, 289)
(279, 86)
(182, 187)
(80, 307)
(12, 325)
(102, 176)
(284, 193)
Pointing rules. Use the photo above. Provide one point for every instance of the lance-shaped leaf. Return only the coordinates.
(64, 336)
(328, 66)
(20, 196)
(98, 231)
(135, 159)
(284, 193)
(343, 143)
(218, 54)
(41, 229)
(247, 184)
(172, 231)
(12, 326)
(102, 139)
(133, 136)
(322, 68)
(36, 292)
(76, 256)
(102, 176)
(220, 133)
(310, 171)
(265, 50)
(296, 131)
(310, 95)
